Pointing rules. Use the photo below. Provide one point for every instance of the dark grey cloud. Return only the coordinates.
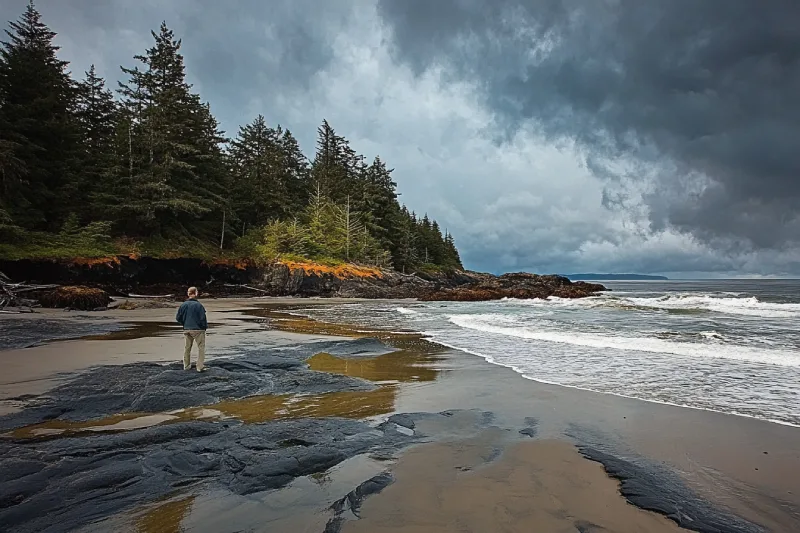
(704, 93)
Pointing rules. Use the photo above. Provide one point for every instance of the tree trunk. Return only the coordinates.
(222, 236)
(347, 231)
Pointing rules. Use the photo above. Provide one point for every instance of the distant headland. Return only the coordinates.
(619, 277)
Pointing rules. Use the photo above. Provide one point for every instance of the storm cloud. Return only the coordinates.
(705, 94)
(549, 136)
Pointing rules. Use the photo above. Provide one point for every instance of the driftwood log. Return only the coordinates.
(11, 294)
(240, 286)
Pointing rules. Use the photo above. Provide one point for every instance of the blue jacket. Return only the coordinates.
(192, 315)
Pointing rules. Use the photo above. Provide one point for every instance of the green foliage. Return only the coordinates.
(89, 241)
(10, 232)
(284, 237)
(38, 133)
(83, 174)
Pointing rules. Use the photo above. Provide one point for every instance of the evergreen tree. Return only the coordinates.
(404, 256)
(296, 172)
(97, 119)
(213, 183)
(452, 258)
(335, 166)
(261, 191)
(156, 164)
(38, 133)
(379, 202)
(170, 133)
(352, 232)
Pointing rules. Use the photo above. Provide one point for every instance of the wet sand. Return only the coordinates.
(719, 457)
(542, 485)
(467, 478)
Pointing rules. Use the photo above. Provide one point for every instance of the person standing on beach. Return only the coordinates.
(192, 316)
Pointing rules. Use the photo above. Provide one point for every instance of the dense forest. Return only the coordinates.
(145, 169)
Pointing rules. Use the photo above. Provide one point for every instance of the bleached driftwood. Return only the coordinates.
(246, 287)
(10, 293)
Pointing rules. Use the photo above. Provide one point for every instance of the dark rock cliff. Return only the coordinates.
(123, 276)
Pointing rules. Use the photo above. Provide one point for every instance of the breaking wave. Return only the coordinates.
(743, 306)
(712, 349)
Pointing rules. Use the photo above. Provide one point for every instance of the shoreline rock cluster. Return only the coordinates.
(520, 285)
(123, 276)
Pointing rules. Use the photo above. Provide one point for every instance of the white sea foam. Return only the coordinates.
(639, 344)
(733, 306)
(406, 311)
(743, 306)
(519, 370)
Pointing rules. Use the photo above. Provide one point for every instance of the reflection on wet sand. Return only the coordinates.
(251, 410)
(402, 366)
(166, 517)
(134, 330)
(542, 485)
(138, 330)
(349, 404)
(121, 422)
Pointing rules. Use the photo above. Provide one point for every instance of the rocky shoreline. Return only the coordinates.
(122, 276)
(516, 285)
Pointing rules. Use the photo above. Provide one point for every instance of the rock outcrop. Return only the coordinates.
(302, 280)
(520, 285)
(122, 276)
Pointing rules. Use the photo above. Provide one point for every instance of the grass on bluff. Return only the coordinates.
(59, 246)
(92, 243)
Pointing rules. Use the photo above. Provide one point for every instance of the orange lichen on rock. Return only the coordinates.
(93, 261)
(343, 271)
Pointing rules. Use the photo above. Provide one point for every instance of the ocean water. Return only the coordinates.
(730, 346)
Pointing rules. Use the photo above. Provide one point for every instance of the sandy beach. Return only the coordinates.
(464, 445)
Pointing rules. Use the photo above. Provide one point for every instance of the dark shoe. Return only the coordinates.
(204, 369)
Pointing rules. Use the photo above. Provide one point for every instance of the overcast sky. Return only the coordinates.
(549, 136)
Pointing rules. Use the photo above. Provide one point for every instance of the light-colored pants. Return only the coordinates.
(198, 336)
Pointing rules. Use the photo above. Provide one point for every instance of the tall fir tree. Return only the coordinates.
(38, 129)
(404, 254)
(170, 132)
(452, 259)
(97, 116)
(333, 171)
(296, 172)
(261, 192)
